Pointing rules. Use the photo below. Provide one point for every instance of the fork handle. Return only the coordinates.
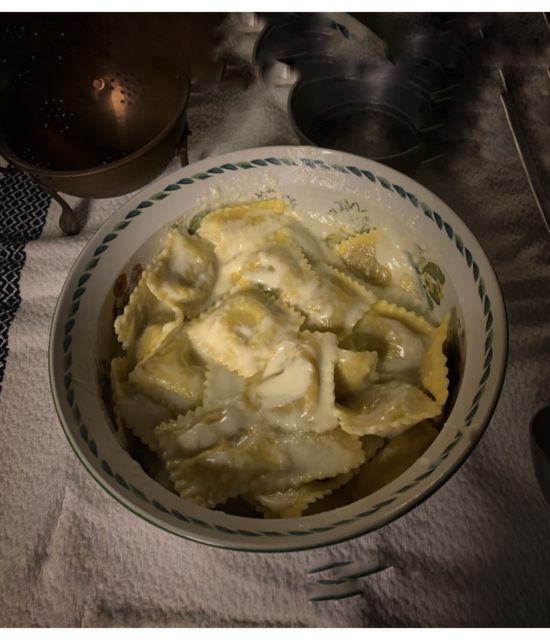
(525, 154)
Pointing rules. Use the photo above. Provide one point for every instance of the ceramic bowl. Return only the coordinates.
(328, 182)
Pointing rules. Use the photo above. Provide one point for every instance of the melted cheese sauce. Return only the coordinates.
(265, 356)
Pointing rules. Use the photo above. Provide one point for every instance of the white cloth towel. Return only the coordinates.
(476, 553)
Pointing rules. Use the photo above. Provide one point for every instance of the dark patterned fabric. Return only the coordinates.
(23, 209)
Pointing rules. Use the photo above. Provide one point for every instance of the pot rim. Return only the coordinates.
(404, 153)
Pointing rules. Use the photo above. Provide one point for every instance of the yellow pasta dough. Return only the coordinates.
(242, 331)
(240, 228)
(391, 460)
(292, 502)
(354, 370)
(359, 254)
(172, 374)
(135, 410)
(215, 455)
(145, 322)
(184, 272)
(296, 388)
(263, 362)
(386, 409)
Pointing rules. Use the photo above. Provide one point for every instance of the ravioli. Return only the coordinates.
(267, 360)
(328, 298)
(316, 252)
(240, 228)
(399, 350)
(173, 374)
(145, 322)
(359, 254)
(391, 460)
(183, 274)
(135, 410)
(377, 258)
(386, 409)
(296, 388)
(354, 370)
(242, 331)
(339, 302)
(279, 268)
(408, 347)
(222, 453)
(291, 503)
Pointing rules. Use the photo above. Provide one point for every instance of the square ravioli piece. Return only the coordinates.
(183, 274)
(243, 227)
(243, 331)
(359, 253)
(336, 303)
(145, 322)
(210, 456)
(172, 375)
(296, 388)
(135, 410)
(214, 455)
(386, 409)
(292, 502)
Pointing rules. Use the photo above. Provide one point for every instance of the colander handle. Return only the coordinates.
(69, 221)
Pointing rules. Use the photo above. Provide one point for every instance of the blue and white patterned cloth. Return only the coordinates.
(23, 209)
(476, 553)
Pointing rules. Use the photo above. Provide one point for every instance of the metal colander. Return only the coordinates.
(94, 105)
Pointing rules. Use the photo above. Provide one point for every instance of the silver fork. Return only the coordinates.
(343, 581)
(524, 150)
(521, 141)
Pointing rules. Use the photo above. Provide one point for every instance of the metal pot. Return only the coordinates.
(379, 115)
